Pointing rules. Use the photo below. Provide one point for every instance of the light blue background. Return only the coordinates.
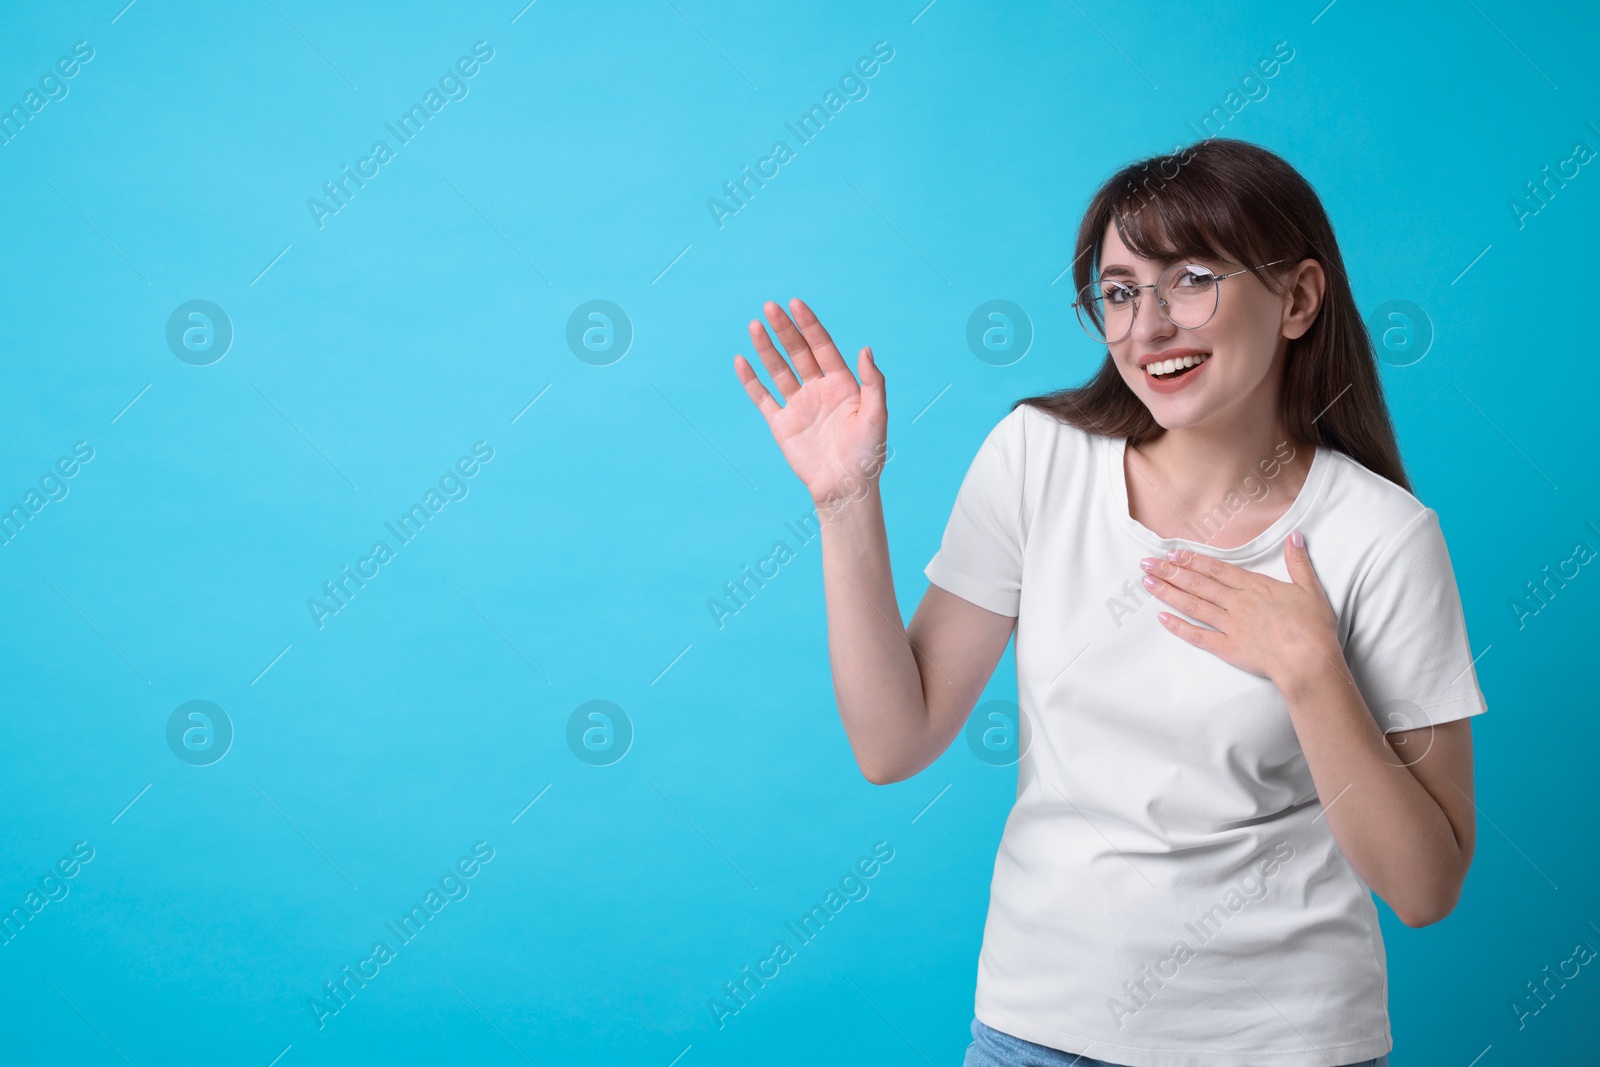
(376, 350)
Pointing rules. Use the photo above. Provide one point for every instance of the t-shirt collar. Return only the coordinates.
(1113, 452)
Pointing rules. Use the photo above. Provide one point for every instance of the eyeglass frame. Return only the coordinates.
(1162, 304)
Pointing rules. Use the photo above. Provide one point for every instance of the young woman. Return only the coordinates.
(1226, 745)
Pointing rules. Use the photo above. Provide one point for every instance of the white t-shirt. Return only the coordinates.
(1166, 892)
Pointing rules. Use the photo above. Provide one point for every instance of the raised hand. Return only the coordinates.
(830, 428)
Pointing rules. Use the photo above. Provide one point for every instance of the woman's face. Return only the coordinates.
(1239, 351)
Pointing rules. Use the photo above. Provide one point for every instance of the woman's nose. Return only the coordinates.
(1150, 321)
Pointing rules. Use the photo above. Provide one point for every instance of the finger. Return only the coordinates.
(1298, 561)
(822, 346)
(752, 385)
(874, 397)
(1218, 571)
(1190, 579)
(782, 375)
(1198, 636)
(794, 342)
(1208, 612)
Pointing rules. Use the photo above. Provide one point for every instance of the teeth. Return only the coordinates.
(1167, 366)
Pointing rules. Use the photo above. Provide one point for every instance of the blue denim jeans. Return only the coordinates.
(993, 1048)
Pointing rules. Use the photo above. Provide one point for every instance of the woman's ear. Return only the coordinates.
(1303, 299)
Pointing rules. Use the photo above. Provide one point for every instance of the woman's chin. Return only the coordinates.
(1176, 413)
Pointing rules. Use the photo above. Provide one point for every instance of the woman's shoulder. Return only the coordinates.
(1032, 425)
(1378, 512)
(1029, 450)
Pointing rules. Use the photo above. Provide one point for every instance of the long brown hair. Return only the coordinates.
(1224, 198)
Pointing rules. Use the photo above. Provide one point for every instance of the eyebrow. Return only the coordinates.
(1118, 270)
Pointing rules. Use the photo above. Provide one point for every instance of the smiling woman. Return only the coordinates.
(1173, 751)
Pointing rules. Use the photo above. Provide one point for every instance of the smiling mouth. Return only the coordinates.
(1169, 369)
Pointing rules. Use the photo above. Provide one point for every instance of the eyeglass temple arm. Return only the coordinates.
(1220, 277)
(1262, 266)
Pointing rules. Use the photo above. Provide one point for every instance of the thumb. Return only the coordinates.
(873, 391)
(1299, 562)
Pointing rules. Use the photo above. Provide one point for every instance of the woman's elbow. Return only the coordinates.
(885, 772)
(1430, 912)
(881, 775)
(1417, 920)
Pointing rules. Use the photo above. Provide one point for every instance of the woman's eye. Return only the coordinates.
(1117, 295)
(1194, 278)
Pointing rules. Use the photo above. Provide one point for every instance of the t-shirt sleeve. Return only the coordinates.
(1408, 647)
(980, 556)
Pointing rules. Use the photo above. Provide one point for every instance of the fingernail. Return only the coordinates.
(1149, 582)
(1174, 555)
(1148, 564)
(1297, 539)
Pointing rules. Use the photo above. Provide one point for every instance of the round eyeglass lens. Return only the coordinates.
(1188, 294)
(1105, 309)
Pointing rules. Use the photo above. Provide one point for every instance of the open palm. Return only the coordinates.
(830, 428)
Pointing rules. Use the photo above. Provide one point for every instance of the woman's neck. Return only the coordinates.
(1221, 486)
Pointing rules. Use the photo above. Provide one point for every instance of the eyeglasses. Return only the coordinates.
(1186, 293)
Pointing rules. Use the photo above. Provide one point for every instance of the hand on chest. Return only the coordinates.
(1118, 696)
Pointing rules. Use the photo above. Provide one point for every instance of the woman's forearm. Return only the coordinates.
(1392, 832)
(876, 680)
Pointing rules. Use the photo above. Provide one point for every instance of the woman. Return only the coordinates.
(1210, 785)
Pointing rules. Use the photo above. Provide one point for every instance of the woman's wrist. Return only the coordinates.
(854, 485)
(1315, 665)
(840, 505)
